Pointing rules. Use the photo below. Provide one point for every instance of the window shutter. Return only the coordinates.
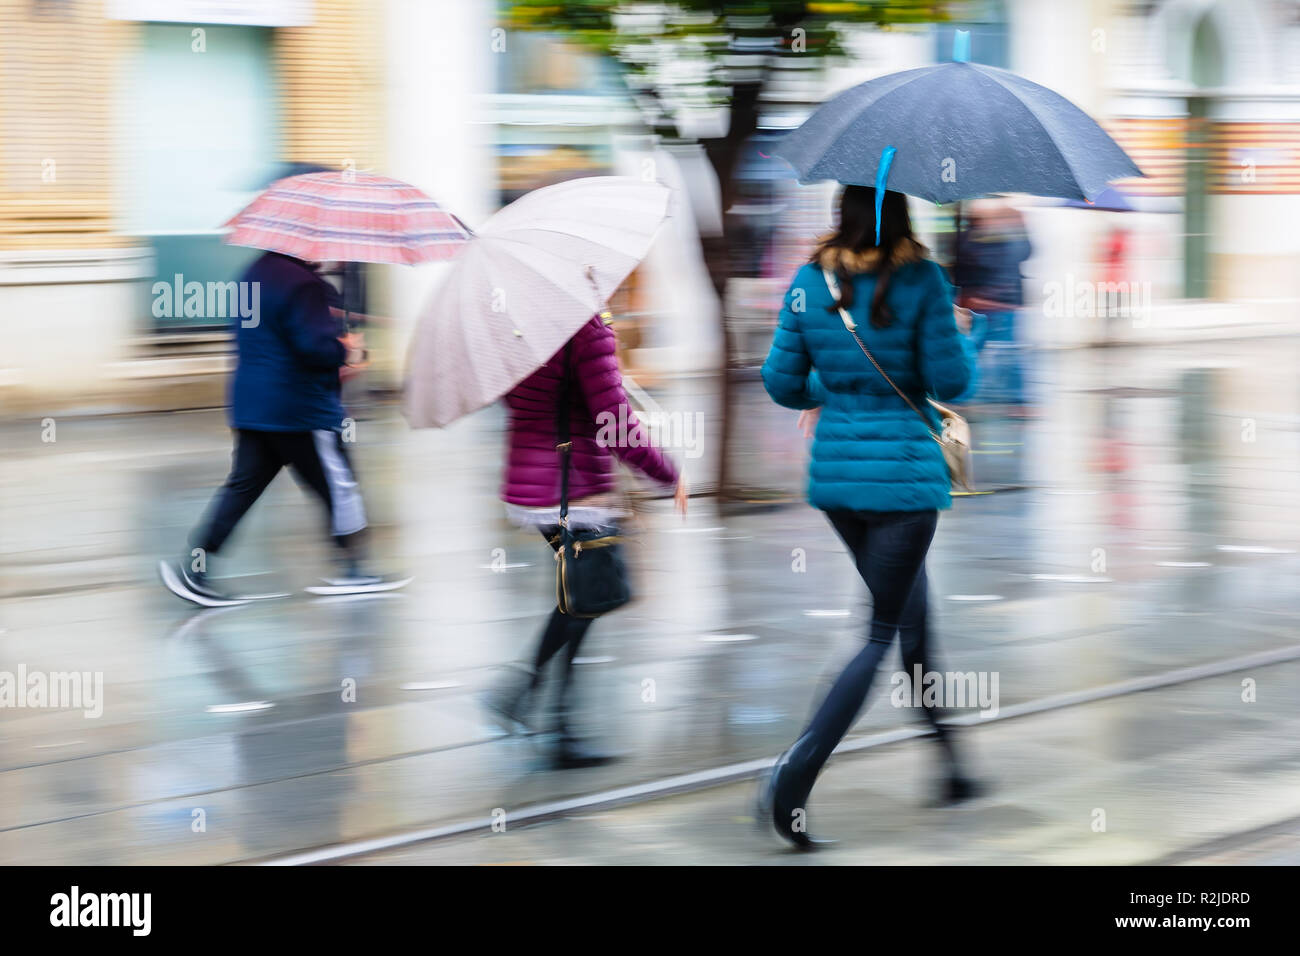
(57, 65)
(332, 80)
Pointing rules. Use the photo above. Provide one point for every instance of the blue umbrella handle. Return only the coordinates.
(882, 177)
(961, 46)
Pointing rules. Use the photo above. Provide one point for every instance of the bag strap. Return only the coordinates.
(834, 286)
(564, 446)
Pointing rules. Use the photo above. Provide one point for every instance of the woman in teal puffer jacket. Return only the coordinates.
(876, 469)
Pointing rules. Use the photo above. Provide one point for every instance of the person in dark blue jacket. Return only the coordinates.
(285, 411)
(989, 258)
(876, 470)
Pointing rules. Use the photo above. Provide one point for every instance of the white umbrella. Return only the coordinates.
(528, 280)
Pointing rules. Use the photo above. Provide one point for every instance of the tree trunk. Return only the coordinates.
(723, 154)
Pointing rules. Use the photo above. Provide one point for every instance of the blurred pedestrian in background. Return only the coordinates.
(876, 470)
(285, 411)
(1115, 276)
(989, 257)
(581, 381)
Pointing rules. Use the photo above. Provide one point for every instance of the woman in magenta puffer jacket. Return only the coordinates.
(601, 426)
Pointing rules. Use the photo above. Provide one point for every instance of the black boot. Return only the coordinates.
(508, 702)
(783, 803)
(956, 786)
(571, 753)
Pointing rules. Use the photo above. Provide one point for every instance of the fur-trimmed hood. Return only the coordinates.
(832, 257)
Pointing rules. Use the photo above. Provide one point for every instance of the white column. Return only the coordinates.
(685, 334)
(439, 60)
(1052, 43)
(1058, 46)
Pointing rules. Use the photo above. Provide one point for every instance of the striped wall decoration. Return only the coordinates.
(1157, 146)
(1252, 158)
(1242, 157)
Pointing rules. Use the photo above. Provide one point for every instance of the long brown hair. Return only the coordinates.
(856, 233)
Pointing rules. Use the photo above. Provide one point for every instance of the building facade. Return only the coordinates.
(129, 132)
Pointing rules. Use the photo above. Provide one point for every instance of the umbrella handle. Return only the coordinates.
(961, 46)
(591, 277)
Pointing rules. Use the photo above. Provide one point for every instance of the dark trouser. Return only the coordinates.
(562, 633)
(319, 461)
(889, 549)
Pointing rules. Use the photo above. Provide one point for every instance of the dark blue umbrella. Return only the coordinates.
(960, 130)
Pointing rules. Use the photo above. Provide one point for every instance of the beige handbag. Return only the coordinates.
(954, 440)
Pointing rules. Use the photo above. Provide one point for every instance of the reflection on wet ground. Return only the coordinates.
(1155, 530)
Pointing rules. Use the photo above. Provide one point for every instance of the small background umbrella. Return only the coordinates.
(348, 217)
(530, 278)
(1109, 199)
(961, 130)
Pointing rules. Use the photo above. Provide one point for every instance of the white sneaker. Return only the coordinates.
(358, 584)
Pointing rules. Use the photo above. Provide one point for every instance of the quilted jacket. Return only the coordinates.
(599, 410)
(871, 452)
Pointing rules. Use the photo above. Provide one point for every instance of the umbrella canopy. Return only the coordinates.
(348, 217)
(530, 278)
(961, 130)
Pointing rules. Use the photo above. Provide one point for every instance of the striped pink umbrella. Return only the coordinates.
(348, 217)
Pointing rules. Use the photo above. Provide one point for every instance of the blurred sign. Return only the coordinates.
(252, 13)
(1254, 156)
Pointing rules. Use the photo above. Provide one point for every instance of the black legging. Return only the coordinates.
(889, 549)
(563, 633)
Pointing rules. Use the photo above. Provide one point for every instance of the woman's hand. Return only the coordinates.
(980, 304)
(963, 319)
(808, 421)
(355, 343)
(681, 496)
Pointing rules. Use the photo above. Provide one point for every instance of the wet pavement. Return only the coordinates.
(1143, 779)
(1155, 530)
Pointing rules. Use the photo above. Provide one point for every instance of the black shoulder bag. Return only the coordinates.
(590, 574)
